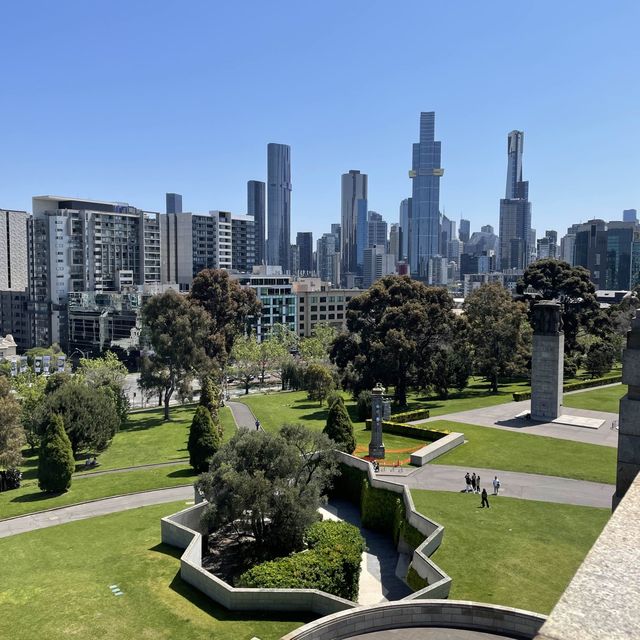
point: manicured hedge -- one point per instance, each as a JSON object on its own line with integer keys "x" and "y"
{"x": 574, "y": 386}
{"x": 417, "y": 431}
{"x": 415, "y": 581}
{"x": 410, "y": 416}
{"x": 381, "y": 510}
{"x": 331, "y": 563}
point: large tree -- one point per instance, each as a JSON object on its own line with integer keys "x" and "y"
{"x": 269, "y": 486}
{"x": 245, "y": 359}
{"x": 30, "y": 390}
{"x": 178, "y": 331}
{"x": 55, "y": 463}
{"x": 204, "y": 439}
{"x": 339, "y": 426}
{"x": 395, "y": 327}
{"x": 498, "y": 332}
{"x": 555, "y": 279}
{"x": 229, "y": 307}
{"x": 12, "y": 437}
{"x": 318, "y": 345}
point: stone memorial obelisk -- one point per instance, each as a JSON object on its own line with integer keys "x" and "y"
{"x": 376, "y": 446}
{"x": 629, "y": 422}
{"x": 547, "y": 361}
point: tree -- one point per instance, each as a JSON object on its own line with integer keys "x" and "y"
{"x": 108, "y": 373}
{"x": 339, "y": 427}
{"x": 204, "y": 439}
{"x": 12, "y": 437}
{"x": 229, "y": 308}
{"x": 318, "y": 345}
{"x": 269, "y": 486}
{"x": 499, "y": 334}
{"x": 245, "y": 356}
{"x": 319, "y": 381}
{"x": 30, "y": 390}
{"x": 557, "y": 280}
{"x": 178, "y": 334}
{"x": 271, "y": 352}
{"x": 600, "y": 358}
{"x": 152, "y": 381}
{"x": 211, "y": 397}
{"x": 89, "y": 415}
{"x": 450, "y": 364}
{"x": 394, "y": 328}
{"x": 55, "y": 463}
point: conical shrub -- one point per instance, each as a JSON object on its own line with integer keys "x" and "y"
{"x": 55, "y": 463}
{"x": 204, "y": 439}
{"x": 339, "y": 426}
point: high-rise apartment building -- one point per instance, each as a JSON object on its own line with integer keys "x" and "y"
{"x": 464, "y": 232}
{"x": 304, "y": 241}
{"x": 86, "y": 245}
{"x": 279, "y": 204}
{"x": 328, "y": 259}
{"x": 256, "y": 209}
{"x": 447, "y": 233}
{"x": 425, "y": 212}
{"x": 377, "y": 263}
{"x": 243, "y": 242}
{"x": 405, "y": 226}
{"x": 336, "y": 230}
{"x": 173, "y": 203}
{"x": 395, "y": 241}
{"x": 568, "y": 243}
{"x": 353, "y": 204}
{"x": 376, "y": 229}
{"x": 362, "y": 233}
{"x": 14, "y": 258}
{"x": 515, "y": 210}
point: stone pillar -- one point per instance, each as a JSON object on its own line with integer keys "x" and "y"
{"x": 547, "y": 362}
{"x": 629, "y": 422}
{"x": 376, "y": 446}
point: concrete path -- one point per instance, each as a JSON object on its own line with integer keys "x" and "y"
{"x": 91, "y": 509}
{"x": 382, "y": 565}
{"x": 503, "y": 416}
{"x": 78, "y": 475}
{"x": 526, "y": 486}
{"x": 242, "y": 415}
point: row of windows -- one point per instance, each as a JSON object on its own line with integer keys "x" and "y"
{"x": 324, "y": 316}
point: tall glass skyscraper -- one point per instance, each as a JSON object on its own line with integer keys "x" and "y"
{"x": 304, "y": 242}
{"x": 405, "y": 226}
{"x": 515, "y": 210}
{"x": 279, "y": 204}
{"x": 354, "y": 199}
{"x": 255, "y": 208}
{"x": 425, "y": 210}
{"x": 173, "y": 202}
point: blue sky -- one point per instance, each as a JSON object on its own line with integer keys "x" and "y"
{"x": 125, "y": 100}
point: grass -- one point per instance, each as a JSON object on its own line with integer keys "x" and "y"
{"x": 28, "y": 498}
{"x": 599, "y": 399}
{"x": 518, "y": 553}
{"x": 490, "y": 448}
{"x": 57, "y": 586}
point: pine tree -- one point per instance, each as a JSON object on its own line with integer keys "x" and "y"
{"x": 204, "y": 439}
{"x": 56, "y": 463}
{"x": 339, "y": 427}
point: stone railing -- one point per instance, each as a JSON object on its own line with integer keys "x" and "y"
{"x": 431, "y": 451}
{"x": 503, "y": 621}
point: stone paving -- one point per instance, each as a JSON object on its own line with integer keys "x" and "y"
{"x": 427, "y": 633}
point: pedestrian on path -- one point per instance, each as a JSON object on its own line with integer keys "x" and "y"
{"x": 485, "y": 500}
{"x": 473, "y": 482}
{"x": 478, "y": 483}
{"x": 257, "y": 424}
{"x": 496, "y": 486}
{"x": 467, "y": 479}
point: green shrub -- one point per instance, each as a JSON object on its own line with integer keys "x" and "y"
{"x": 410, "y": 416}
{"x": 574, "y": 386}
{"x": 339, "y": 427}
{"x": 411, "y": 535}
{"x": 381, "y": 510}
{"x": 415, "y": 581}
{"x": 363, "y": 405}
{"x": 519, "y": 396}
{"x": 420, "y": 432}
{"x": 55, "y": 463}
{"x": 331, "y": 563}
{"x": 204, "y": 439}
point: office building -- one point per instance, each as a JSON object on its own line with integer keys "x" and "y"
{"x": 85, "y": 245}
{"x": 376, "y": 230}
{"x": 362, "y": 233}
{"x": 438, "y": 274}
{"x": 568, "y": 243}
{"x": 322, "y": 305}
{"x": 354, "y": 189}
{"x": 173, "y": 203}
{"x": 487, "y": 228}
{"x": 15, "y": 318}
{"x": 278, "y": 204}
{"x": 395, "y": 241}
{"x": 447, "y": 233}
{"x": 515, "y": 210}
{"x": 630, "y": 215}
{"x": 454, "y": 250}
{"x": 425, "y": 210}
{"x": 336, "y": 230}
{"x": 243, "y": 242}
{"x": 328, "y": 259}
{"x": 14, "y": 258}
{"x": 304, "y": 242}
{"x": 464, "y": 232}
{"x": 547, "y": 247}
{"x": 405, "y": 226}
{"x": 377, "y": 264}
{"x": 256, "y": 209}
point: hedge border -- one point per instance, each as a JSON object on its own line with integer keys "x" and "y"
{"x": 519, "y": 396}
{"x": 416, "y": 431}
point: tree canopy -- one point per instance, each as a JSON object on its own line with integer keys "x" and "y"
{"x": 12, "y": 437}
{"x": 204, "y": 439}
{"x": 339, "y": 426}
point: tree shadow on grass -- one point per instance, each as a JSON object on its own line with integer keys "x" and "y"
{"x": 182, "y": 473}
{"x": 197, "y": 598}
{"x": 37, "y": 496}
{"x": 320, "y": 415}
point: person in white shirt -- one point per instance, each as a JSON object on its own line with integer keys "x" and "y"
{"x": 496, "y": 485}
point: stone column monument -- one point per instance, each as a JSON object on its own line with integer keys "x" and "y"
{"x": 376, "y": 446}
{"x": 629, "y": 423}
{"x": 547, "y": 363}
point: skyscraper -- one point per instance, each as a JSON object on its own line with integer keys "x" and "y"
{"x": 395, "y": 241}
{"x": 328, "y": 259}
{"x": 255, "y": 208}
{"x": 353, "y": 190}
{"x": 464, "y": 232}
{"x": 376, "y": 230}
{"x": 304, "y": 241}
{"x": 630, "y": 215}
{"x": 425, "y": 214}
{"x": 173, "y": 203}
{"x": 405, "y": 226}
{"x": 515, "y": 210}
{"x": 279, "y": 204}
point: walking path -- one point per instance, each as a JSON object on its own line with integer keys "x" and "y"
{"x": 91, "y": 509}
{"x": 242, "y": 415}
{"x": 78, "y": 475}
{"x": 526, "y": 486}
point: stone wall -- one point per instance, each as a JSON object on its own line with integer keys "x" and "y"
{"x": 435, "y": 449}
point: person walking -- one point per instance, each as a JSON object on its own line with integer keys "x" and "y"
{"x": 496, "y": 485}
{"x": 485, "y": 500}
{"x": 467, "y": 479}
{"x": 473, "y": 482}
{"x": 478, "y": 483}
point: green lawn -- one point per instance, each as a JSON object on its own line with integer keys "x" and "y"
{"x": 28, "y": 498}
{"x": 518, "y": 553}
{"x": 599, "y": 399}
{"x": 57, "y": 586}
{"x": 498, "y": 449}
